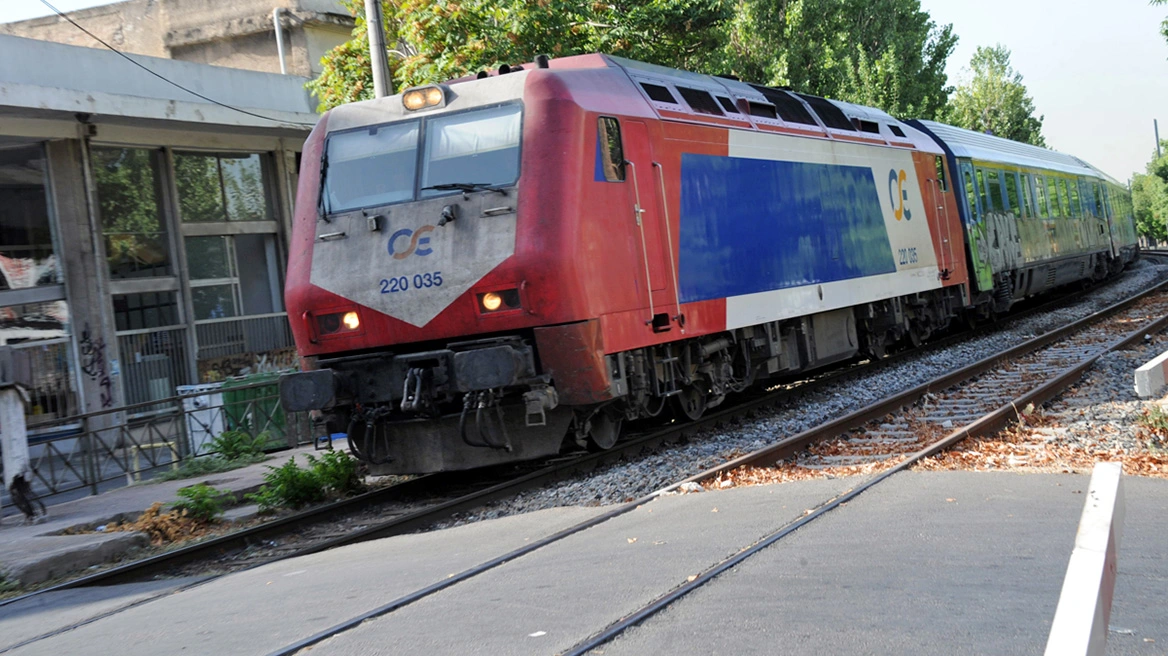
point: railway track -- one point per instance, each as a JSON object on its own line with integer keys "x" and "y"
{"x": 978, "y": 399}
{"x": 421, "y": 502}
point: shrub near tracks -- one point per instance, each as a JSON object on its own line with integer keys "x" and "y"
{"x": 293, "y": 486}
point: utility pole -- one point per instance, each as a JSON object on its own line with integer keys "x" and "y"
{"x": 1156, "y": 127}
{"x": 377, "y": 53}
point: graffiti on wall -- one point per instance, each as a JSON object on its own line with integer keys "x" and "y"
{"x": 94, "y": 365}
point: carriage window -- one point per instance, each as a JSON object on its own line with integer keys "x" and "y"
{"x": 1027, "y": 195}
{"x": 1076, "y": 207}
{"x": 370, "y": 167}
{"x": 1098, "y": 197}
{"x": 1056, "y": 210}
{"x": 1064, "y": 199}
{"x": 658, "y": 93}
{"x": 993, "y": 191}
{"x": 942, "y": 183}
{"x": 1040, "y": 187}
{"x": 981, "y": 191}
{"x": 479, "y": 147}
{"x": 612, "y": 156}
{"x": 1012, "y": 204}
{"x": 700, "y": 101}
{"x": 970, "y": 193}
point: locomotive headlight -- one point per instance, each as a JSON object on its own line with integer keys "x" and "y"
{"x": 492, "y": 301}
{"x": 500, "y": 301}
{"x": 338, "y": 323}
{"x": 351, "y": 321}
{"x": 415, "y": 99}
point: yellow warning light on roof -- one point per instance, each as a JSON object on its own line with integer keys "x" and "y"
{"x": 422, "y": 97}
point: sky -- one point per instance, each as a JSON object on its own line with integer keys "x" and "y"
{"x": 1096, "y": 69}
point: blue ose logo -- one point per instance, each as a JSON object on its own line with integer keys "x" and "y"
{"x": 898, "y": 196}
{"x": 417, "y": 243}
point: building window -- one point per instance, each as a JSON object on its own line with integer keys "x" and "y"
{"x": 129, "y": 194}
{"x": 26, "y": 237}
{"x": 220, "y": 187}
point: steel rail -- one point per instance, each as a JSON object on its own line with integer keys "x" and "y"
{"x": 988, "y": 424}
{"x": 767, "y": 455}
{"x": 238, "y": 540}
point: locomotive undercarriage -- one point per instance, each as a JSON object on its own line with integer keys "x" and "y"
{"x": 476, "y": 403}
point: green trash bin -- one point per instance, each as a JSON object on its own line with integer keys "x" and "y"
{"x": 256, "y": 410}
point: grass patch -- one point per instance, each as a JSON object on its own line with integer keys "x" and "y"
{"x": 204, "y": 465}
{"x": 232, "y": 449}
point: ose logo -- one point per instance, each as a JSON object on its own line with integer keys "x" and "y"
{"x": 901, "y": 194}
{"x": 418, "y": 243}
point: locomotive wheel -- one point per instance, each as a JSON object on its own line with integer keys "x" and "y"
{"x": 605, "y": 431}
{"x": 690, "y": 403}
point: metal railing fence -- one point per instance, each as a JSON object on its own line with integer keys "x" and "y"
{"x": 104, "y": 449}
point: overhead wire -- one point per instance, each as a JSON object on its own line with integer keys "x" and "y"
{"x": 168, "y": 80}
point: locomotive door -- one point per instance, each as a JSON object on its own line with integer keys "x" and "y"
{"x": 650, "y": 228}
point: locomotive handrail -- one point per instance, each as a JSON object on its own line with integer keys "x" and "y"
{"x": 637, "y": 212}
{"x": 669, "y": 246}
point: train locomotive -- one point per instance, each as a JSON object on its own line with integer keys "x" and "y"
{"x": 487, "y": 270}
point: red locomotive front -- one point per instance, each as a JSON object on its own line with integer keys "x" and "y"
{"x": 434, "y": 231}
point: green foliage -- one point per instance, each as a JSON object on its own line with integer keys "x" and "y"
{"x": 1150, "y": 198}
{"x": 239, "y": 445}
{"x": 337, "y": 472}
{"x": 200, "y": 502}
{"x": 1164, "y": 23}
{"x": 886, "y": 53}
{"x": 7, "y": 585}
{"x": 994, "y": 100}
{"x": 293, "y": 486}
{"x": 288, "y": 485}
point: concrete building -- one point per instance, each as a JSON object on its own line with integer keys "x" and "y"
{"x": 235, "y": 33}
{"x": 143, "y": 230}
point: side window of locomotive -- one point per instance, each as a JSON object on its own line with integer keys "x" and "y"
{"x": 1107, "y": 202}
{"x": 831, "y": 115}
{"x": 1064, "y": 199}
{"x": 763, "y": 110}
{"x": 700, "y": 101}
{"x": 1098, "y": 197}
{"x": 728, "y": 105}
{"x": 942, "y": 182}
{"x": 659, "y": 93}
{"x": 896, "y": 130}
{"x": 612, "y": 154}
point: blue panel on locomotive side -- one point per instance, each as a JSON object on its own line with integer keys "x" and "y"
{"x": 753, "y": 225}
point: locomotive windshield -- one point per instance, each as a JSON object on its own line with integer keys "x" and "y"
{"x": 379, "y": 165}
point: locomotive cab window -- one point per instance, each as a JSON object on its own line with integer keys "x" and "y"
{"x": 612, "y": 154}
{"x": 659, "y": 93}
{"x": 370, "y": 167}
{"x": 479, "y": 146}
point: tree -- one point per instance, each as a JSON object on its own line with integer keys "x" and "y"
{"x": 1164, "y": 23}
{"x": 883, "y": 53}
{"x": 1150, "y": 199}
{"x": 994, "y": 100}
{"x": 438, "y": 40}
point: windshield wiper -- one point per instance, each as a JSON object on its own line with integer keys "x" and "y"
{"x": 465, "y": 187}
